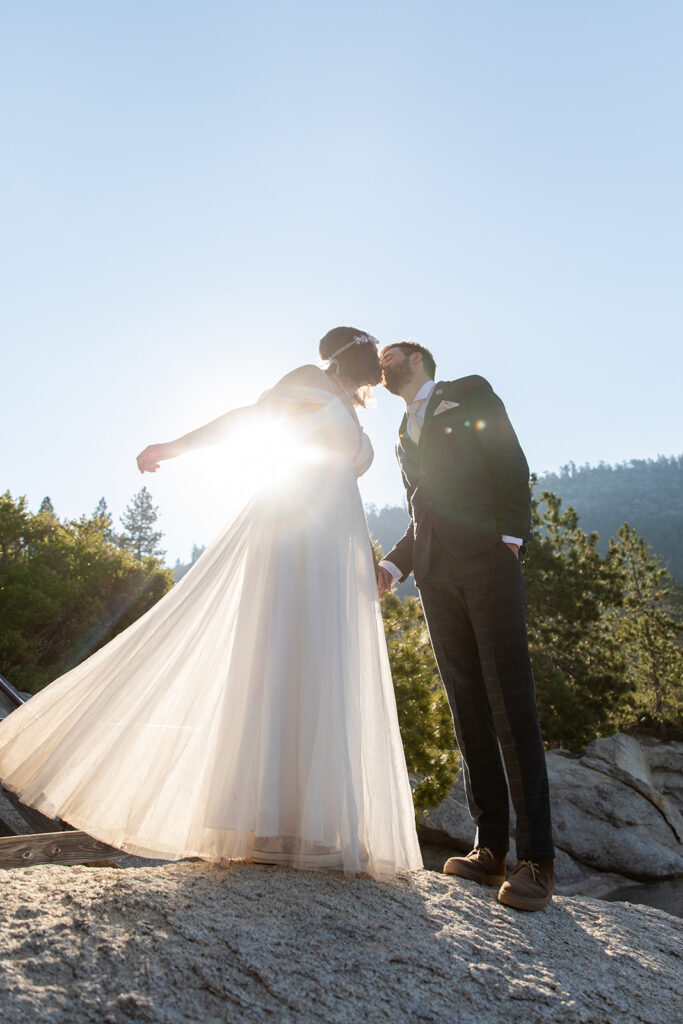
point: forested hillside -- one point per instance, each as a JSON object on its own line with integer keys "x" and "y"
{"x": 605, "y": 628}
{"x": 645, "y": 493}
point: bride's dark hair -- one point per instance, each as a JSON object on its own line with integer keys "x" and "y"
{"x": 358, "y": 363}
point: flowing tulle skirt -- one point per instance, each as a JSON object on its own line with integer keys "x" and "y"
{"x": 249, "y": 713}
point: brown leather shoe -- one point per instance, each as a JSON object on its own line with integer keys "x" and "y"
{"x": 481, "y": 865}
{"x": 530, "y": 885}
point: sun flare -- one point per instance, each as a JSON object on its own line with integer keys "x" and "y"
{"x": 267, "y": 454}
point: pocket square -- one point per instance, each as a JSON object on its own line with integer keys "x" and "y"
{"x": 445, "y": 406}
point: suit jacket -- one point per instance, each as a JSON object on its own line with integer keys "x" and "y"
{"x": 467, "y": 480}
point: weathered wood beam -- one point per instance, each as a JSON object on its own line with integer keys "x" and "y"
{"x": 36, "y": 821}
{"x": 54, "y": 848}
{"x": 5, "y": 829}
{"x": 10, "y": 699}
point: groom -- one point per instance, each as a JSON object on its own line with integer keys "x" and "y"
{"x": 467, "y": 483}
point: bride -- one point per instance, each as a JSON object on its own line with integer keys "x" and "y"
{"x": 250, "y": 713}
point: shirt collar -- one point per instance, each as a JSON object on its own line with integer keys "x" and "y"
{"x": 424, "y": 392}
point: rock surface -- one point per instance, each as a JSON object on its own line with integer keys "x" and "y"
{"x": 608, "y": 825}
{"x": 665, "y": 761}
{"x": 623, "y": 753}
{"x": 190, "y": 942}
{"x": 623, "y": 758}
{"x": 608, "y": 815}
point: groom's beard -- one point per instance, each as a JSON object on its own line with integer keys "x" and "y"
{"x": 395, "y": 377}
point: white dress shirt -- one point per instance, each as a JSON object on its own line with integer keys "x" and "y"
{"x": 417, "y": 408}
{"x": 416, "y": 416}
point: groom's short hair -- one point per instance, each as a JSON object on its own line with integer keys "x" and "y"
{"x": 428, "y": 361}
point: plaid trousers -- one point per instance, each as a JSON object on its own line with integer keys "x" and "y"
{"x": 476, "y": 615}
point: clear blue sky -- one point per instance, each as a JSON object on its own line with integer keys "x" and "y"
{"x": 194, "y": 192}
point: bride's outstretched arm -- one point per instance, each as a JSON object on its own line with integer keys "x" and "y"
{"x": 219, "y": 429}
{"x": 211, "y": 433}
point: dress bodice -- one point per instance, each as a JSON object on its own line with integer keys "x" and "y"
{"x": 364, "y": 456}
{"x": 322, "y": 420}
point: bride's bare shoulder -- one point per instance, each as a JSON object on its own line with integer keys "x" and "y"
{"x": 306, "y": 376}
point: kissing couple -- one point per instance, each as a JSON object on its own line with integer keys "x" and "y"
{"x": 250, "y": 713}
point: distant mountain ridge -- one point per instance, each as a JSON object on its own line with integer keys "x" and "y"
{"x": 645, "y": 493}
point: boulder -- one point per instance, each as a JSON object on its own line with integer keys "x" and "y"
{"x": 622, "y": 752}
{"x": 609, "y": 825}
{"x": 607, "y": 815}
{"x": 449, "y": 829}
{"x": 449, "y": 823}
{"x": 248, "y": 943}
{"x": 622, "y": 758}
{"x": 663, "y": 756}
{"x": 665, "y": 761}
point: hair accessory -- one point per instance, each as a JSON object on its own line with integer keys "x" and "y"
{"x": 358, "y": 339}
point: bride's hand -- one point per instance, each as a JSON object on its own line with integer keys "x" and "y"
{"x": 149, "y": 459}
{"x": 385, "y": 580}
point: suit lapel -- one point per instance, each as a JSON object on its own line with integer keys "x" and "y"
{"x": 405, "y": 441}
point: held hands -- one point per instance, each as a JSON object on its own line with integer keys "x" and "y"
{"x": 383, "y": 577}
{"x": 385, "y": 580}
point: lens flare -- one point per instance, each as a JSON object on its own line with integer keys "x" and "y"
{"x": 268, "y": 453}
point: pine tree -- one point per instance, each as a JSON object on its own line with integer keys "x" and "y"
{"x": 139, "y": 519}
{"x": 649, "y": 636}
{"x": 64, "y": 592}
{"x": 579, "y": 671}
{"x": 46, "y": 506}
{"x": 180, "y": 568}
{"x": 103, "y": 517}
{"x": 424, "y": 714}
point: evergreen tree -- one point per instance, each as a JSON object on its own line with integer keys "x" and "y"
{"x": 103, "y": 517}
{"x": 424, "y": 714}
{"x": 64, "y": 592}
{"x": 139, "y": 535}
{"x": 579, "y": 671}
{"x": 46, "y": 506}
{"x": 649, "y": 636}
{"x": 180, "y": 568}
{"x": 647, "y": 493}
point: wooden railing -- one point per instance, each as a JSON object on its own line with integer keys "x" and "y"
{"x": 49, "y": 841}
{"x": 10, "y": 699}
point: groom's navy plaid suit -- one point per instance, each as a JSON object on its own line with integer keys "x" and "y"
{"x": 467, "y": 483}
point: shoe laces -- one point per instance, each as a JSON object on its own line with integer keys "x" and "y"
{"x": 480, "y": 849}
{"x": 533, "y": 867}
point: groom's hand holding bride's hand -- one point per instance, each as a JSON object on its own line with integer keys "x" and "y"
{"x": 385, "y": 580}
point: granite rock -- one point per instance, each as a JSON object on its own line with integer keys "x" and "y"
{"x": 193, "y": 942}
{"x": 608, "y": 815}
{"x": 665, "y": 761}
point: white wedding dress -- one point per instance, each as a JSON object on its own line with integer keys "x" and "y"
{"x": 250, "y": 712}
